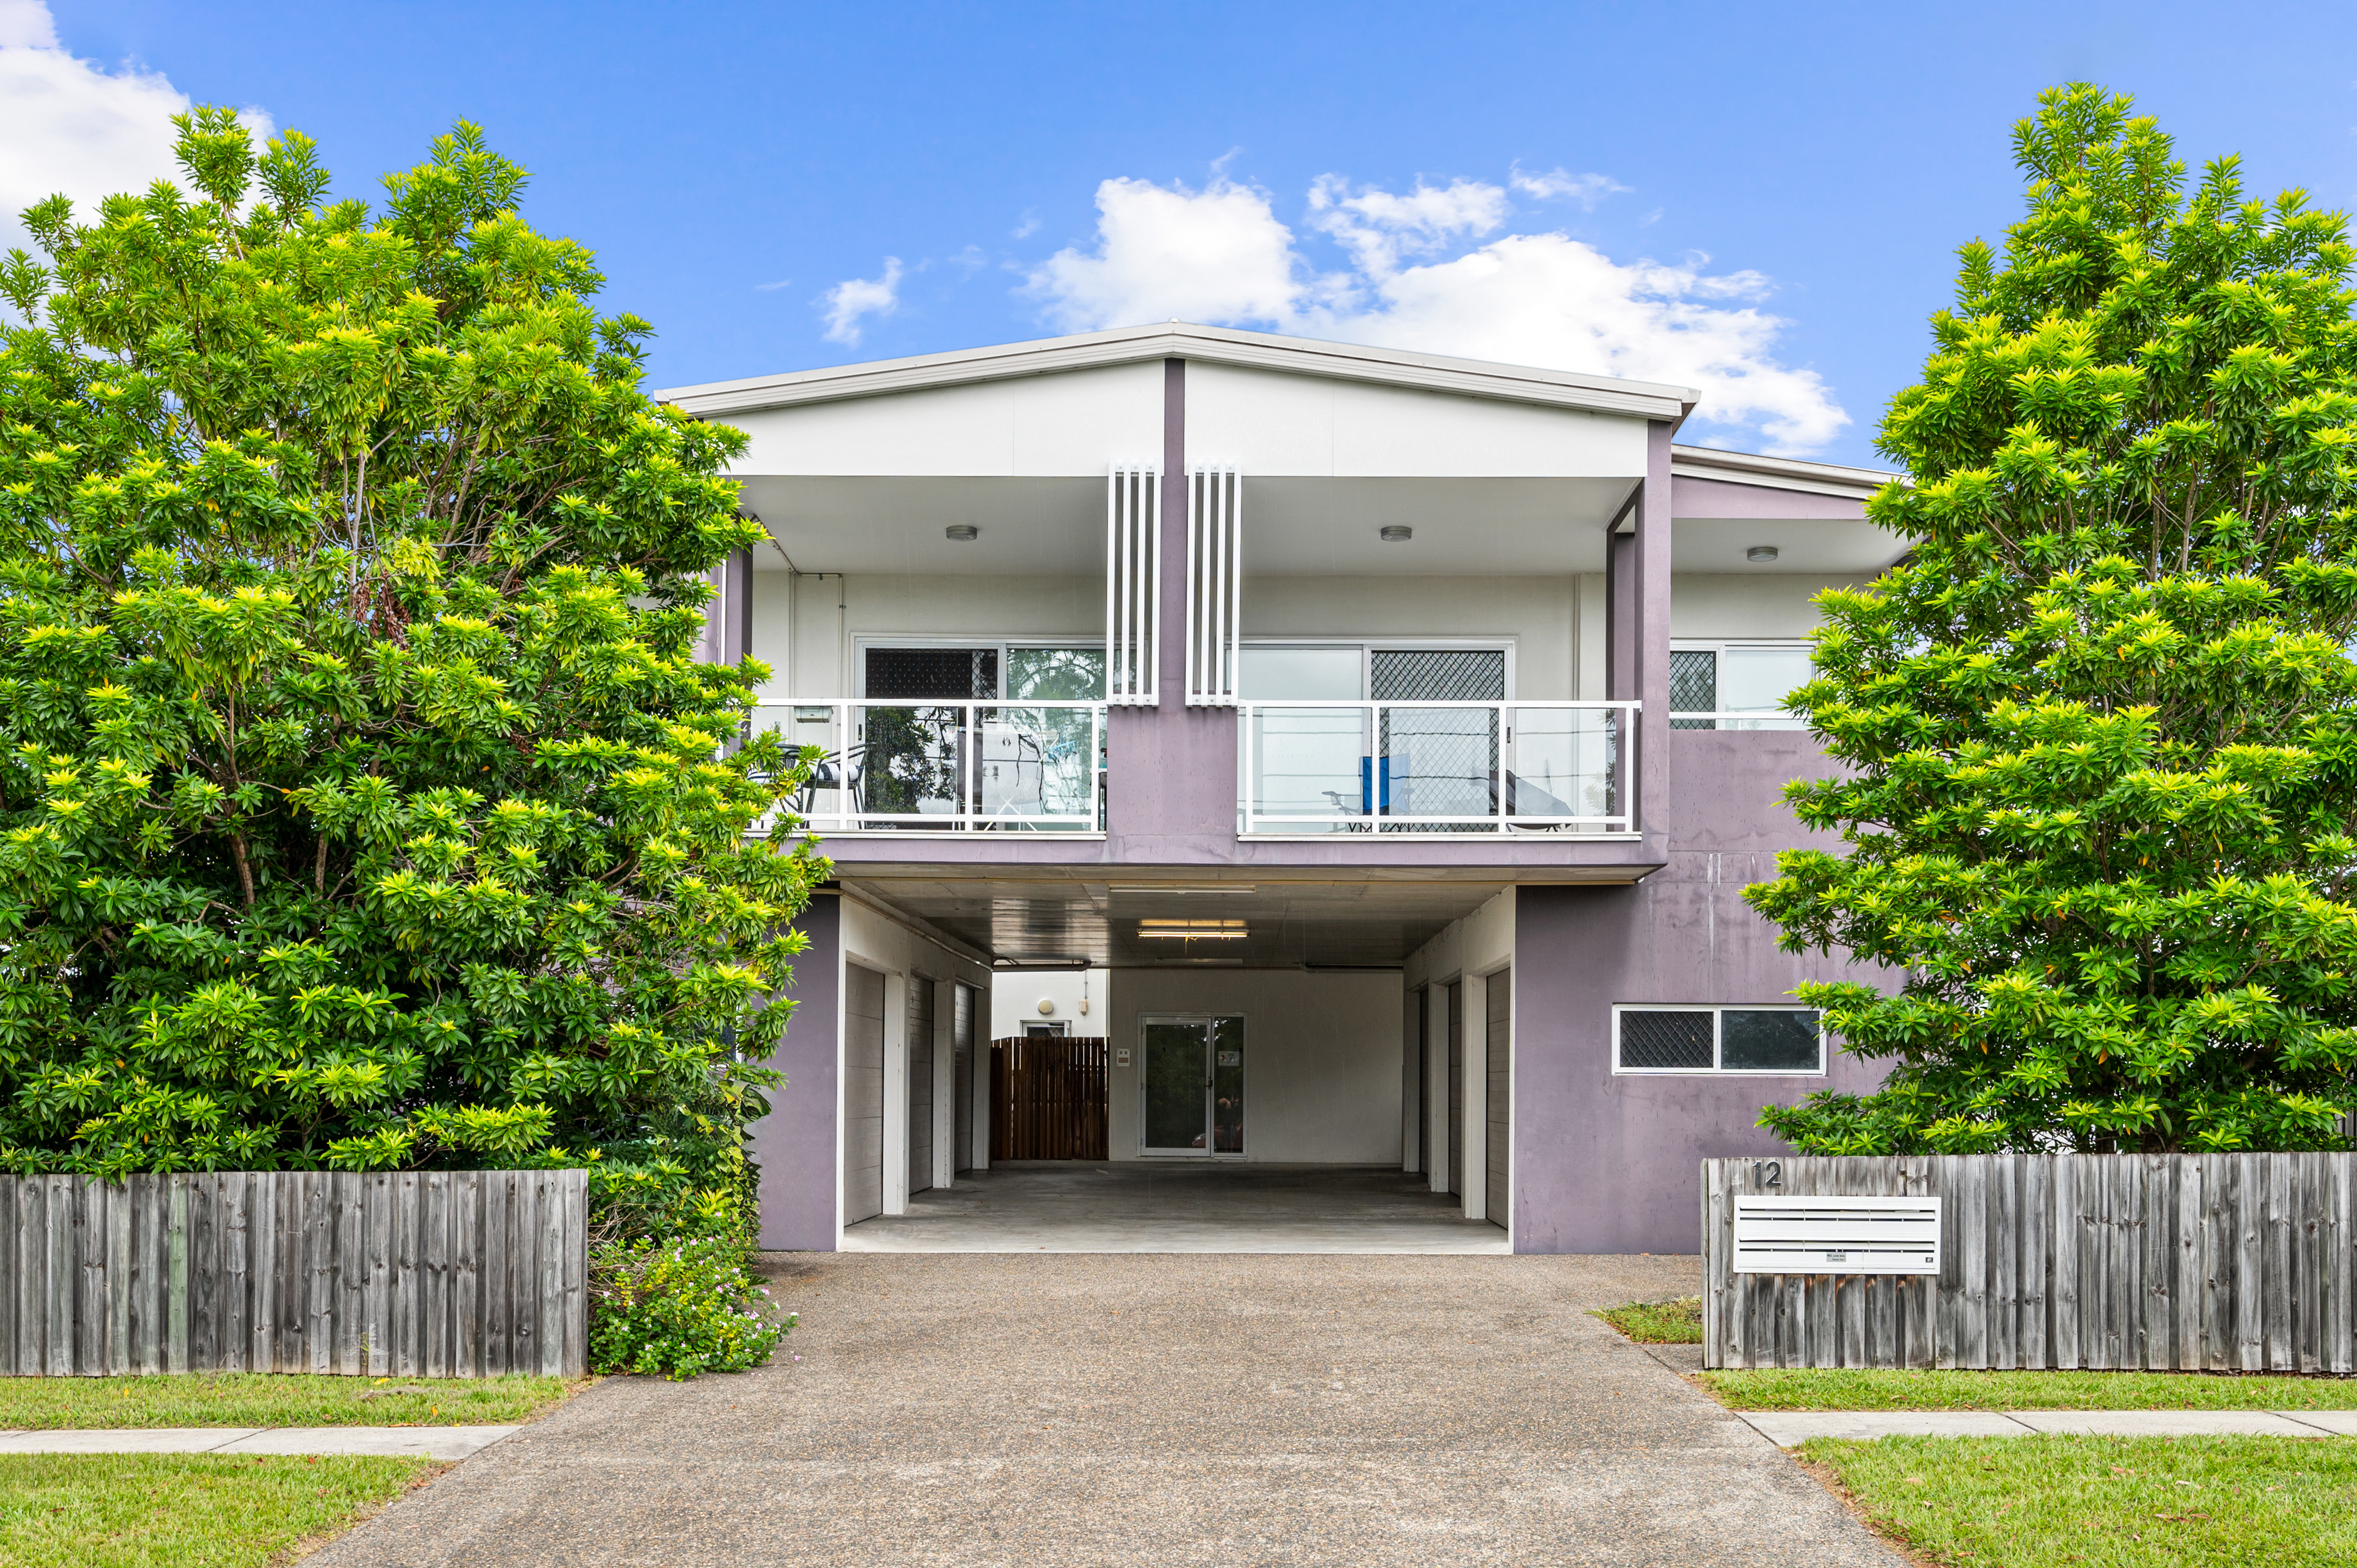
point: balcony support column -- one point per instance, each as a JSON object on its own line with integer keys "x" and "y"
{"x": 1639, "y": 632}
{"x": 1171, "y": 766}
{"x": 729, "y": 617}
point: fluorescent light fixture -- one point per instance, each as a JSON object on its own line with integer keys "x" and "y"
{"x": 1193, "y": 930}
{"x": 1223, "y": 887}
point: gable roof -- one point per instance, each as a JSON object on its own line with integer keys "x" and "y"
{"x": 1185, "y": 340}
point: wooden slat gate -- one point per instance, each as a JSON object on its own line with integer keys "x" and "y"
{"x": 436, "y": 1273}
{"x": 1047, "y": 1098}
{"x": 2164, "y": 1263}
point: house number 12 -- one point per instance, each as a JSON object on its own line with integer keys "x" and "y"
{"x": 1767, "y": 1173}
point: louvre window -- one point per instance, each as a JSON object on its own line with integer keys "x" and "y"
{"x": 1718, "y": 1039}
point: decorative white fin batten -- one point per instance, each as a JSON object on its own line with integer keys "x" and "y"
{"x": 1215, "y": 520}
{"x": 1133, "y": 586}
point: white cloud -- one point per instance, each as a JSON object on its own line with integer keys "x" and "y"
{"x": 1588, "y": 190}
{"x": 1378, "y": 229}
{"x": 72, "y": 125}
{"x": 1429, "y": 269}
{"x": 1214, "y": 254}
{"x": 848, "y": 302}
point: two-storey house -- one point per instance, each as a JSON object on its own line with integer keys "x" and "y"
{"x": 1400, "y": 731}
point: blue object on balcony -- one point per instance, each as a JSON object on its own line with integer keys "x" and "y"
{"x": 1375, "y": 786}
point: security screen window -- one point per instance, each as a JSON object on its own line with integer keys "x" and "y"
{"x": 1767, "y": 1039}
{"x": 1718, "y": 1039}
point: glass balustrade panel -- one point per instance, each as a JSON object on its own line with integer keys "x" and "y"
{"x": 1310, "y": 770}
{"x": 1439, "y": 767}
{"x": 1038, "y": 768}
{"x": 909, "y": 763}
{"x": 1564, "y": 765}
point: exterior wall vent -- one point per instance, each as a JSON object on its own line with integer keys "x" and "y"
{"x": 1836, "y": 1235}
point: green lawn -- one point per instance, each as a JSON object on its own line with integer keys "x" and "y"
{"x": 249, "y": 1399}
{"x": 1677, "y": 1322}
{"x": 2136, "y": 1502}
{"x": 181, "y": 1510}
{"x": 1843, "y": 1390}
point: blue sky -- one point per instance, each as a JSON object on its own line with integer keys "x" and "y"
{"x": 1761, "y": 199}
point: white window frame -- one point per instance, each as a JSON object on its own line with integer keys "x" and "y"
{"x": 1241, "y": 1015}
{"x": 1718, "y": 1039}
{"x": 997, "y": 642}
{"x": 1720, "y": 647}
{"x": 1368, "y": 646}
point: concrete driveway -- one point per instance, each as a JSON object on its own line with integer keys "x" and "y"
{"x": 1095, "y": 1410}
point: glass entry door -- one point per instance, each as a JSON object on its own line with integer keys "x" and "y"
{"x": 1193, "y": 1086}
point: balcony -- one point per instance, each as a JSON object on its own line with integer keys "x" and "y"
{"x": 938, "y": 767}
{"x": 1453, "y": 769}
{"x": 1307, "y": 770}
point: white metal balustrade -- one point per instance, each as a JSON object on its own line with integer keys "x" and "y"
{"x": 1444, "y": 768}
{"x": 920, "y": 766}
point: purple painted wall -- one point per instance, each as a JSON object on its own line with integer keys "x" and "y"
{"x": 1721, "y": 498}
{"x": 796, "y": 1145}
{"x": 1607, "y": 1163}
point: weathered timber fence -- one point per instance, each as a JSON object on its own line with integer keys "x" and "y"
{"x": 2166, "y": 1263}
{"x": 1047, "y": 1098}
{"x": 436, "y": 1273}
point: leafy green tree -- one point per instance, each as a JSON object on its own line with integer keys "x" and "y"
{"x": 2100, "y": 727}
{"x": 362, "y": 801}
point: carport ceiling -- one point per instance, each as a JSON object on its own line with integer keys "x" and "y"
{"x": 1286, "y": 923}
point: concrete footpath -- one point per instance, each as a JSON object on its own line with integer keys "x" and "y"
{"x": 1091, "y": 1411}
{"x": 425, "y": 1441}
{"x": 1790, "y": 1428}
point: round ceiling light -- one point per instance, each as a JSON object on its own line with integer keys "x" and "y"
{"x": 1396, "y": 534}
{"x": 1761, "y": 553}
{"x": 964, "y": 533}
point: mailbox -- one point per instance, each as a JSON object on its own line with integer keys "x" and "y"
{"x": 1836, "y": 1235}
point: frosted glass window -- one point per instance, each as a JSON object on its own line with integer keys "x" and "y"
{"x": 1303, "y": 675}
{"x": 1756, "y": 680}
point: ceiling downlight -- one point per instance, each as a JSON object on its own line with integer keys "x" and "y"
{"x": 1193, "y": 930}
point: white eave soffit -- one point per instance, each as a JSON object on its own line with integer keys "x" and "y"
{"x": 1183, "y": 340}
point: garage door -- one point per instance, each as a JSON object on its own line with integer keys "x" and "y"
{"x": 1457, "y": 1089}
{"x": 961, "y": 1113}
{"x": 862, "y": 1094}
{"x": 921, "y": 1083}
{"x": 1422, "y": 1006}
{"x": 1500, "y": 1048}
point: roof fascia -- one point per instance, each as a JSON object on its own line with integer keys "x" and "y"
{"x": 1257, "y": 350}
{"x": 1778, "y": 473}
